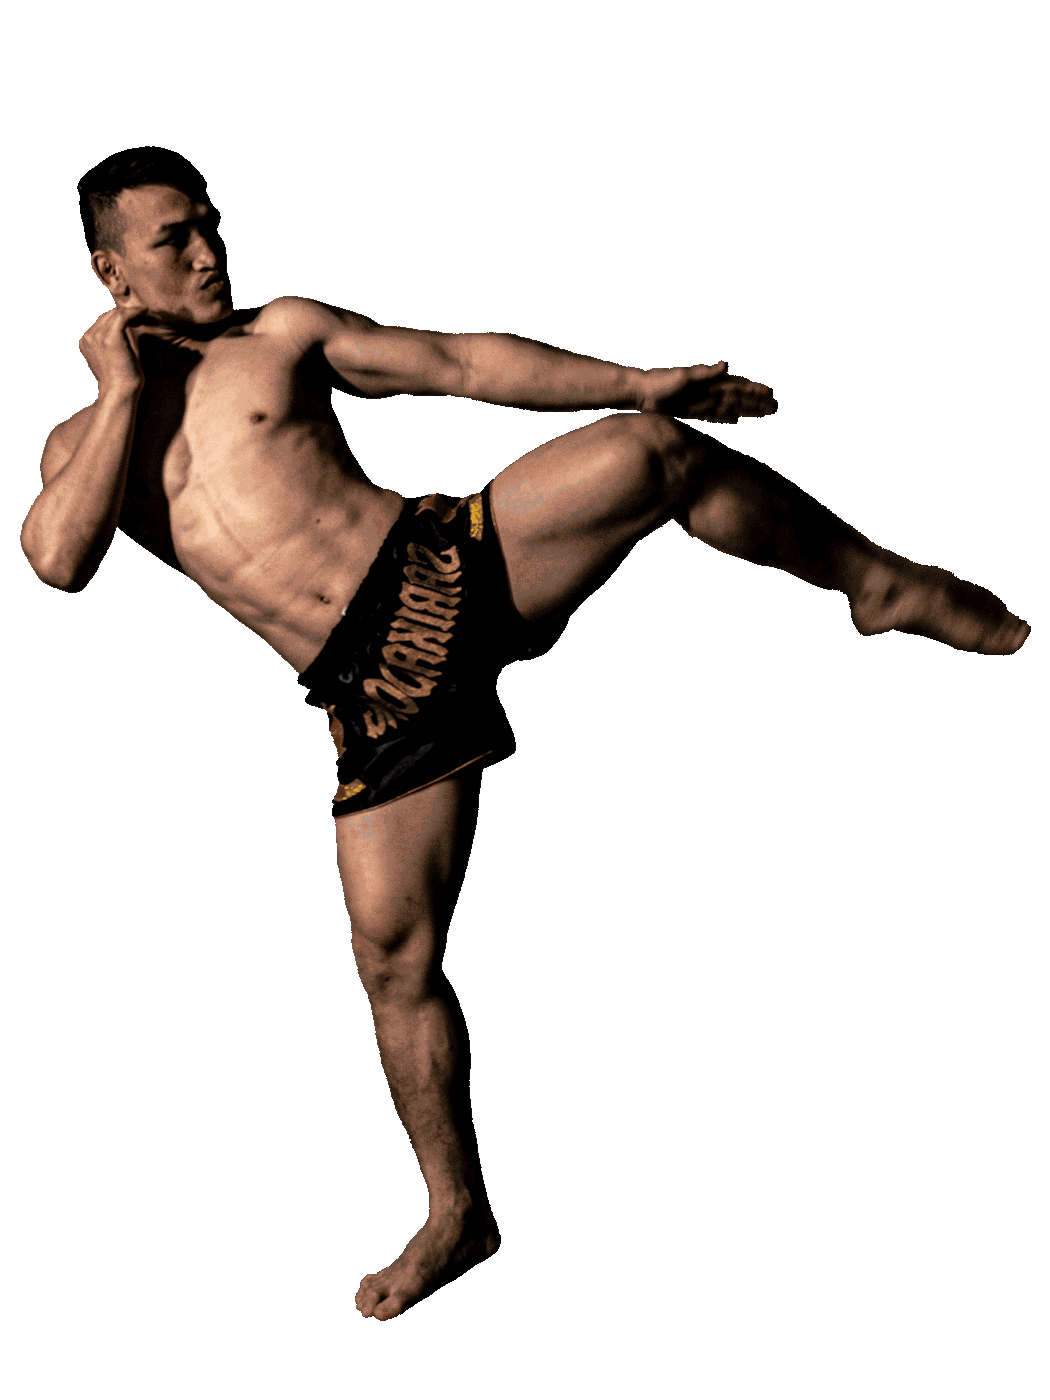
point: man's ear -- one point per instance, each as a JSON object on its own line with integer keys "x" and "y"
{"x": 108, "y": 275}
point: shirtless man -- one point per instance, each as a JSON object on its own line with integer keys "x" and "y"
{"x": 214, "y": 444}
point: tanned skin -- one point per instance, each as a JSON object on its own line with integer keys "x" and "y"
{"x": 213, "y": 442}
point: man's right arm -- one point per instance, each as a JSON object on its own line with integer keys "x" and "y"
{"x": 71, "y": 524}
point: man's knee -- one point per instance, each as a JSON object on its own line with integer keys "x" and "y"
{"x": 671, "y": 451}
{"x": 396, "y": 959}
{"x": 676, "y": 454}
{"x": 653, "y": 434}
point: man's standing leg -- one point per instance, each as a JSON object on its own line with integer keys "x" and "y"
{"x": 402, "y": 867}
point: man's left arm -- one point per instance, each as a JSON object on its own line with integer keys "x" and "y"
{"x": 378, "y": 361}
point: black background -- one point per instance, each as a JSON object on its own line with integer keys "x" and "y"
{"x": 744, "y": 945}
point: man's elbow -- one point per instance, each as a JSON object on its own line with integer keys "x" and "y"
{"x": 56, "y": 577}
{"x": 51, "y": 568}
{"x": 439, "y": 375}
{"x": 451, "y": 372}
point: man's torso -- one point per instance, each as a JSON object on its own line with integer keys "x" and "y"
{"x": 240, "y": 476}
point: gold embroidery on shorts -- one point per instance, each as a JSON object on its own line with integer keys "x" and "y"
{"x": 347, "y": 790}
{"x": 445, "y": 509}
{"x": 429, "y": 595}
{"x": 422, "y": 626}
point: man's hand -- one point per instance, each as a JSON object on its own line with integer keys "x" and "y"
{"x": 111, "y": 352}
{"x": 707, "y": 392}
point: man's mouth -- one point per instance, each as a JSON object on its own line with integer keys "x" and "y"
{"x": 212, "y": 279}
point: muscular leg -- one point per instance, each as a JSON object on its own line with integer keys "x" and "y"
{"x": 569, "y": 512}
{"x": 402, "y": 867}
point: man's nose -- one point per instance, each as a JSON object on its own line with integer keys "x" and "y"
{"x": 204, "y": 253}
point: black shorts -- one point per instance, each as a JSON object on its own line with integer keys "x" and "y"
{"x": 408, "y": 674}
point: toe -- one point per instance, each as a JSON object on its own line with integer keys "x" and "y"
{"x": 1004, "y": 639}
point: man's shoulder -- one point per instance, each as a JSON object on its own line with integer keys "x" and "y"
{"x": 305, "y": 320}
{"x": 328, "y": 338}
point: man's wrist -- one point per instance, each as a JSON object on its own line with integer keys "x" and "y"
{"x": 659, "y": 387}
{"x": 638, "y": 390}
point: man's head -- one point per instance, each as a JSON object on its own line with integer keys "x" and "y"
{"x": 153, "y": 235}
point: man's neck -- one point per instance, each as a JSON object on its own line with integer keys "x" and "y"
{"x": 174, "y": 347}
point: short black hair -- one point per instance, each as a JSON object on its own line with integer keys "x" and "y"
{"x": 142, "y": 165}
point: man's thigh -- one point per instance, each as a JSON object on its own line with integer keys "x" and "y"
{"x": 402, "y": 866}
{"x": 569, "y": 512}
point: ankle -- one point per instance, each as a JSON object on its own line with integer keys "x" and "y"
{"x": 857, "y": 565}
{"x": 459, "y": 1201}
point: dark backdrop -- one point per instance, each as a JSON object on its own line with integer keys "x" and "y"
{"x": 745, "y": 938}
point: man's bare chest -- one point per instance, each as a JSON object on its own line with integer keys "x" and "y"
{"x": 212, "y": 430}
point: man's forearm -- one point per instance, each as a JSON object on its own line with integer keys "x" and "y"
{"x": 518, "y": 373}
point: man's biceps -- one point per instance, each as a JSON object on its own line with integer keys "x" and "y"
{"x": 400, "y": 359}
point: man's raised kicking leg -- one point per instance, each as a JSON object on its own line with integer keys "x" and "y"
{"x": 567, "y": 514}
{"x": 570, "y": 511}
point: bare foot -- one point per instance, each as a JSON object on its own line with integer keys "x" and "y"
{"x": 897, "y": 595}
{"x": 446, "y": 1247}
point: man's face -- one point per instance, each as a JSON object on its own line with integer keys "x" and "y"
{"x": 173, "y": 262}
